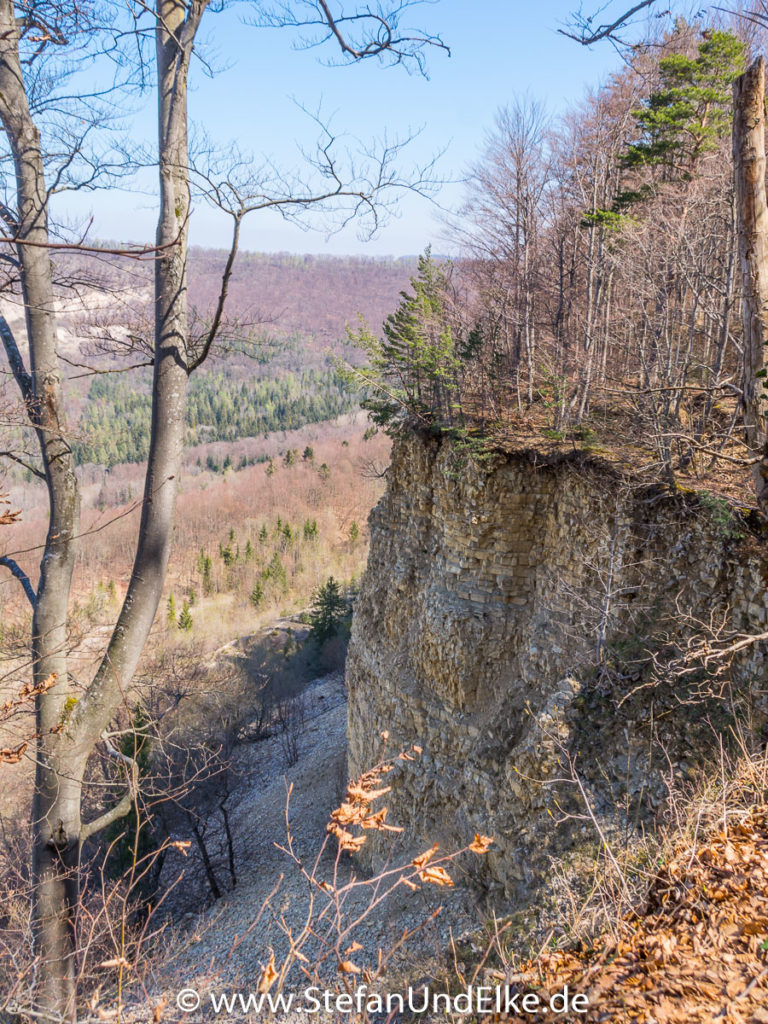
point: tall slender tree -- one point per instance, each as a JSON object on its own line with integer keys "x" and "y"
{"x": 72, "y": 720}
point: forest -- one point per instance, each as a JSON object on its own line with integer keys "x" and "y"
{"x": 382, "y": 627}
{"x": 599, "y": 297}
{"x": 115, "y": 425}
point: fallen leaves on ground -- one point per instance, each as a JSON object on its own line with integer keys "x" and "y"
{"x": 698, "y": 951}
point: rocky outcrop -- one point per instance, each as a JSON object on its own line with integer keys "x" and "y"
{"x": 506, "y": 623}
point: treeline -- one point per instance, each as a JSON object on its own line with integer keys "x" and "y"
{"x": 599, "y": 272}
{"x": 114, "y": 427}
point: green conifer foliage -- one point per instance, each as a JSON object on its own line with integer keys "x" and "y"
{"x": 412, "y": 373}
{"x": 171, "y": 610}
{"x": 185, "y": 618}
{"x": 329, "y": 611}
{"x": 691, "y": 112}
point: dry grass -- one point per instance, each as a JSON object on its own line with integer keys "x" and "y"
{"x": 694, "y": 947}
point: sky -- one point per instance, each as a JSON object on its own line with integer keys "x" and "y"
{"x": 499, "y": 49}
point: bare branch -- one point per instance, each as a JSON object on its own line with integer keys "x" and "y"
{"x": 124, "y": 805}
{"x": 586, "y": 35}
{"x": 21, "y": 576}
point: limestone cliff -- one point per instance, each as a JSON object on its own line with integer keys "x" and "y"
{"x": 506, "y": 622}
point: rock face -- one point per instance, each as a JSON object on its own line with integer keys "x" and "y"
{"x": 506, "y": 623}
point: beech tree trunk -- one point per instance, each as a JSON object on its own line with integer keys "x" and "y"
{"x": 752, "y": 230}
{"x": 69, "y": 728}
{"x": 56, "y": 809}
{"x": 71, "y": 722}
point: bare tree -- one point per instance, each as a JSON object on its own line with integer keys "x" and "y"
{"x": 71, "y": 720}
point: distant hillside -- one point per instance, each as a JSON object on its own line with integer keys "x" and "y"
{"x": 290, "y": 312}
{"x": 308, "y": 295}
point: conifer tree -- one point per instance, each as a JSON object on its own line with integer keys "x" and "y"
{"x": 413, "y": 370}
{"x": 185, "y": 618}
{"x": 328, "y": 613}
{"x": 692, "y": 110}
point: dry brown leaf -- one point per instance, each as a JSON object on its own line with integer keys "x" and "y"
{"x": 117, "y": 961}
{"x": 424, "y": 858}
{"x": 12, "y": 755}
{"x": 269, "y": 976}
{"x": 347, "y": 967}
{"x": 436, "y": 876}
{"x": 481, "y": 844}
{"x": 357, "y": 792}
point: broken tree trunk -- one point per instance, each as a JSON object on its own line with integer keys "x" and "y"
{"x": 752, "y": 228}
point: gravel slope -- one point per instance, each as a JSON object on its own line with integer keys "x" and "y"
{"x": 226, "y": 948}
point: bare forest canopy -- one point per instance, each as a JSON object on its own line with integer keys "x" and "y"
{"x": 598, "y": 300}
{"x": 287, "y": 320}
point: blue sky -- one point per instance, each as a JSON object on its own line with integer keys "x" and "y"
{"x": 498, "y": 49}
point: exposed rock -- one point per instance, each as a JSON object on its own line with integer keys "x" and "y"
{"x": 492, "y": 594}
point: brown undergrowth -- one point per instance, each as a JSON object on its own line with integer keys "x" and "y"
{"x": 696, "y": 949}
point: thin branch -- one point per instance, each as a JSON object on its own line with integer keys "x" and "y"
{"x": 225, "y": 279}
{"x": 20, "y": 462}
{"x": 588, "y": 36}
{"x": 21, "y": 576}
{"x": 124, "y": 805}
{"x": 22, "y": 376}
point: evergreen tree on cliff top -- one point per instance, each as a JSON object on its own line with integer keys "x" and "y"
{"x": 691, "y": 110}
{"x": 411, "y": 374}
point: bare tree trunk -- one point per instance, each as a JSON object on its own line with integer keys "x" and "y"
{"x": 230, "y": 841}
{"x": 56, "y": 813}
{"x": 62, "y": 753}
{"x": 210, "y": 874}
{"x": 752, "y": 230}
{"x": 174, "y": 34}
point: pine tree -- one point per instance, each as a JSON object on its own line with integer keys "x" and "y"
{"x": 328, "y": 613}
{"x": 257, "y": 595}
{"x": 354, "y": 532}
{"x": 275, "y": 571}
{"x": 171, "y": 610}
{"x": 412, "y": 372}
{"x": 206, "y": 574}
{"x": 692, "y": 110}
{"x": 185, "y": 618}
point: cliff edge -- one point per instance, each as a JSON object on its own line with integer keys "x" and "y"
{"x": 557, "y": 636}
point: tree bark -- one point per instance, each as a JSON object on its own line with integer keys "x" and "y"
{"x": 752, "y": 230}
{"x": 63, "y": 752}
{"x": 174, "y": 36}
{"x": 56, "y": 811}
